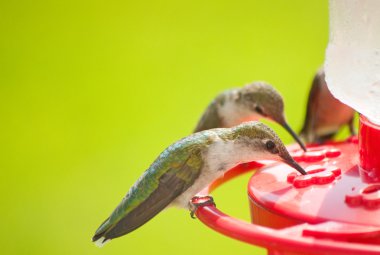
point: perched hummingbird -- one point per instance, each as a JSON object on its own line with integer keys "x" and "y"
{"x": 186, "y": 167}
{"x": 251, "y": 102}
{"x": 325, "y": 115}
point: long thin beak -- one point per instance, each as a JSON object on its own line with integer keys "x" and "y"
{"x": 295, "y": 136}
{"x": 291, "y": 162}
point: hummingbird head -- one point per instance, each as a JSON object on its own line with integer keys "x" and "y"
{"x": 263, "y": 100}
{"x": 264, "y": 143}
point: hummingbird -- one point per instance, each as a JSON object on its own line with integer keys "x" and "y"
{"x": 325, "y": 115}
{"x": 251, "y": 102}
{"x": 186, "y": 167}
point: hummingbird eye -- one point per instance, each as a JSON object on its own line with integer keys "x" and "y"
{"x": 271, "y": 146}
{"x": 259, "y": 110}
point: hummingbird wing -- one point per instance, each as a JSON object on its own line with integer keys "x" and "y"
{"x": 165, "y": 180}
{"x": 210, "y": 118}
{"x": 307, "y": 131}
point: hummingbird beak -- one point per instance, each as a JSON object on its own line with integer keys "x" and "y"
{"x": 291, "y": 162}
{"x": 295, "y": 136}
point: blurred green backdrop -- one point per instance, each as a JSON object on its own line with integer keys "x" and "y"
{"x": 92, "y": 91}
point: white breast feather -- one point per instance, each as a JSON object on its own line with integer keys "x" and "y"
{"x": 220, "y": 157}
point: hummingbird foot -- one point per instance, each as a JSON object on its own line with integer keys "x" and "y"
{"x": 198, "y": 201}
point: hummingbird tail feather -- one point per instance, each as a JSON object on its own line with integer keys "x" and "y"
{"x": 99, "y": 238}
{"x": 101, "y": 241}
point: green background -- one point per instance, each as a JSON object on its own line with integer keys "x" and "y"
{"x": 92, "y": 91}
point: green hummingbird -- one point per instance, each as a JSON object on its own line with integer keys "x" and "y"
{"x": 188, "y": 166}
{"x": 251, "y": 102}
{"x": 325, "y": 114}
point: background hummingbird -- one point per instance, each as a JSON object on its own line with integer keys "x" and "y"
{"x": 186, "y": 167}
{"x": 325, "y": 115}
{"x": 251, "y": 102}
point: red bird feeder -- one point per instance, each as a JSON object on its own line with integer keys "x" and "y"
{"x": 335, "y": 209}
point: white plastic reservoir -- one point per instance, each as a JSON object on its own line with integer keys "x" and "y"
{"x": 353, "y": 55}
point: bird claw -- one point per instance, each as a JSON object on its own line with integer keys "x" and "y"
{"x": 198, "y": 201}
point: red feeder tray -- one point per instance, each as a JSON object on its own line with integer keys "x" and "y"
{"x": 335, "y": 209}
